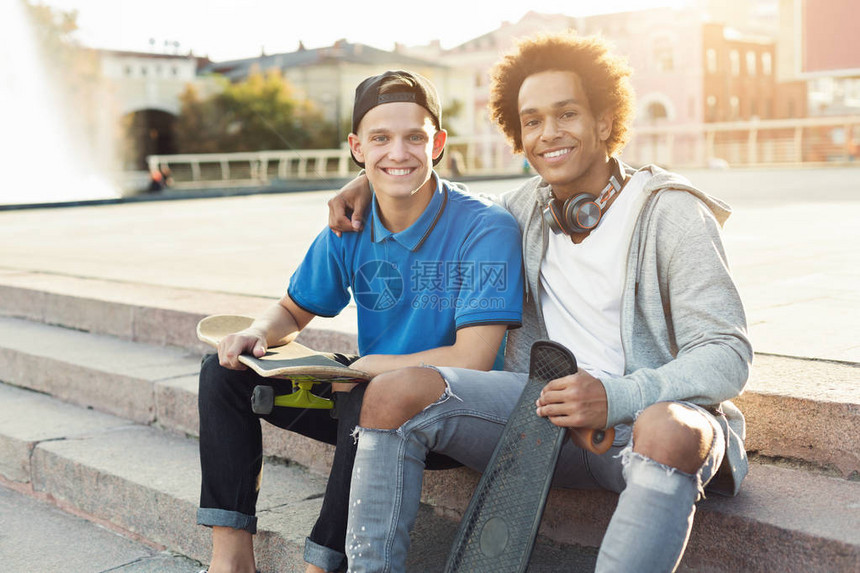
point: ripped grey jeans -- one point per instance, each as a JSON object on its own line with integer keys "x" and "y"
{"x": 649, "y": 528}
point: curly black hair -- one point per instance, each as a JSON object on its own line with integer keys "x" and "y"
{"x": 605, "y": 78}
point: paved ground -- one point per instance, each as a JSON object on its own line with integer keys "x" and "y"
{"x": 792, "y": 245}
{"x": 38, "y": 537}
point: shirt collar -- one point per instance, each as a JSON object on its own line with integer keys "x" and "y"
{"x": 413, "y": 236}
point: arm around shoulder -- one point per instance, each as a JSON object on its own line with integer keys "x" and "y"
{"x": 347, "y": 210}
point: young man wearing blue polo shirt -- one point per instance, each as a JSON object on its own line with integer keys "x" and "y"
{"x": 436, "y": 278}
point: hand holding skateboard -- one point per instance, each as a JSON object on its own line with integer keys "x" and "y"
{"x": 232, "y": 346}
{"x": 577, "y": 394}
{"x": 293, "y": 361}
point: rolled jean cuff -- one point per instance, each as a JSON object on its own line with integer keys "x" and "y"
{"x": 211, "y": 517}
{"x": 323, "y": 557}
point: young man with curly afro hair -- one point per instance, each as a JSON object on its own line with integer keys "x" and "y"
{"x": 625, "y": 267}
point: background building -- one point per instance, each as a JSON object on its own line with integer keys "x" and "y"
{"x": 145, "y": 92}
{"x": 328, "y": 77}
{"x": 720, "y": 82}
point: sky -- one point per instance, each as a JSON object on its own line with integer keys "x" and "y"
{"x": 228, "y": 29}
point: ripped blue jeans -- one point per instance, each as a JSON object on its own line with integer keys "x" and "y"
{"x": 465, "y": 424}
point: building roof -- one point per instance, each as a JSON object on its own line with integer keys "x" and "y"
{"x": 201, "y": 61}
{"x": 341, "y": 51}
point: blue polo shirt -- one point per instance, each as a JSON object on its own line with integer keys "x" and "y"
{"x": 458, "y": 265}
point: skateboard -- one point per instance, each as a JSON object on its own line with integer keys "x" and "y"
{"x": 293, "y": 361}
{"x": 498, "y": 531}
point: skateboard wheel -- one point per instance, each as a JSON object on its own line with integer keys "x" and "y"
{"x": 263, "y": 400}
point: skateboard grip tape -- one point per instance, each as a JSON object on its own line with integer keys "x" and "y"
{"x": 498, "y": 530}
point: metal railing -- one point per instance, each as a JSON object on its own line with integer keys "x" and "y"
{"x": 762, "y": 143}
{"x": 834, "y": 140}
{"x": 252, "y": 168}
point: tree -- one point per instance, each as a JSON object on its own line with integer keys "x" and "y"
{"x": 257, "y": 114}
{"x": 452, "y": 110}
{"x": 54, "y": 31}
{"x": 73, "y": 74}
{"x": 75, "y": 68}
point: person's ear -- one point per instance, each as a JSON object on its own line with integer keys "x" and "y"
{"x": 439, "y": 141}
{"x": 355, "y": 147}
{"x": 604, "y": 126}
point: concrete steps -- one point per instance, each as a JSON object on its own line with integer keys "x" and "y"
{"x": 99, "y": 414}
{"x": 144, "y": 481}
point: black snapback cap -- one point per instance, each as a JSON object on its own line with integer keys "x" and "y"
{"x": 415, "y": 88}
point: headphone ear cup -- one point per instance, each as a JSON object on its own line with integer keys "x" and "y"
{"x": 553, "y": 216}
{"x": 581, "y": 213}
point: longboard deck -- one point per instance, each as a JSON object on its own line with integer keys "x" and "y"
{"x": 497, "y": 532}
{"x": 293, "y": 360}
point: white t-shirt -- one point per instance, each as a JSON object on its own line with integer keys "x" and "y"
{"x": 581, "y": 285}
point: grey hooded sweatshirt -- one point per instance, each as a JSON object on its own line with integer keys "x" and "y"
{"x": 683, "y": 327}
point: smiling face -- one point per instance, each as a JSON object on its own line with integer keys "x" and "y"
{"x": 561, "y": 137}
{"x": 397, "y": 143}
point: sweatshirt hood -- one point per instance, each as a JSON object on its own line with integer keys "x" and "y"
{"x": 662, "y": 179}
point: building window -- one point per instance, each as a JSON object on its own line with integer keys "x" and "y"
{"x": 143, "y": 71}
{"x": 766, "y": 63}
{"x": 712, "y": 108}
{"x": 128, "y": 71}
{"x": 711, "y": 57}
{"x": 852, "y": 92}
{"x": 735, "y": 62}
{"x": 735, "y": 105}
{"x": 174, "y": 70}
{"x": 656, "y": 111}
{"x": 751, "y": 57}
{"x": 663, "y": 55}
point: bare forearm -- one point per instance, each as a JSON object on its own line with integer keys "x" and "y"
{"x": 476, "y": 348}
{"x": 443, "y": 356}
{"x": 277, "y": 325}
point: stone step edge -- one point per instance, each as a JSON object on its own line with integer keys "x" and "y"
{"x": 27, "y": 489}
{"x": 151, "y": 314}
